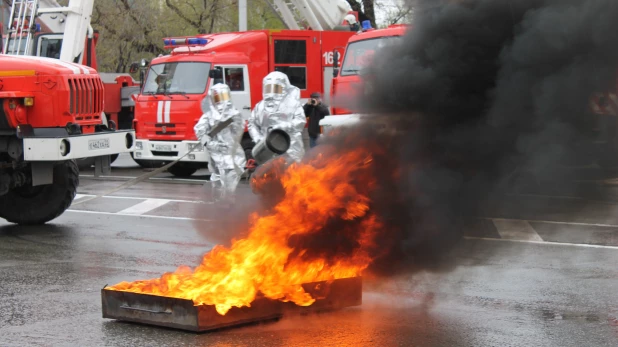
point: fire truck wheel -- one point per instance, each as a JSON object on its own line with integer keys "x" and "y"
{"x": 85, "y": 163}
{"x": 181, "y": 171}
{"x": 38, "y": 205}
{"x": 147, "y": 164}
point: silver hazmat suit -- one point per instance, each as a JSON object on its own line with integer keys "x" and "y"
{"x": 280, "y": 109}
{"x": 227, "y": 158}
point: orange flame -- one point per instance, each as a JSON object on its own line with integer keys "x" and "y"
{"x": 316, "y": 192}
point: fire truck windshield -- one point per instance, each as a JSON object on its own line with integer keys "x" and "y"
{"x": 177, "y": 78}
{"x": 359, "y": 53}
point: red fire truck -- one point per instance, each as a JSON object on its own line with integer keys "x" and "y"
{"x": 49, "y": 27}
{"x": 346, "y": 83}
{"x": 176, "y": 85}
{"x": 50, "y": 115}
{"x": 347, "y": 86}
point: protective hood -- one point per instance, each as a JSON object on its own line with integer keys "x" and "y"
{"x": 220, "y": 97}
{"x": 275, "y": 86}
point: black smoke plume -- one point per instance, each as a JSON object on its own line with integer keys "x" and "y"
{"x": 475, "y": 92}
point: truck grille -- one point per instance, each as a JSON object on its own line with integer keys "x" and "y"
{"x": 166, "y": 131}
{"x": 85, "y": 97}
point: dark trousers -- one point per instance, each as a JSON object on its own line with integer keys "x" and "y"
{"x": 313, "y": 141}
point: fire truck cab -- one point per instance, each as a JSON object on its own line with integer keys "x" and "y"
{"x": 51, "y": 114}
{"x": 42, "y": 33}
{"x": 347, "y": 84}
{"x": 176, "y": 86}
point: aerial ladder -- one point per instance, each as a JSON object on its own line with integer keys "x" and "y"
{"x": 22, "y": 12}
{"x": 72, "y": 20}
{"x": 313, "y": 14}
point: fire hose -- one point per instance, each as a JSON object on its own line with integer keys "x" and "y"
{"x": 135, "y": 180}
{"x": 148, "y": 175}
{"x": 277, "y": 142}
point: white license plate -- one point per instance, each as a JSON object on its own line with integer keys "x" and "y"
{"x": 94, "y": 145}
{"x": 163, "y": 148}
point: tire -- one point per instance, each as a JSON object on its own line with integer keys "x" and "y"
{"x": 147, "y": 164}
{"x": 38, "y": 205}
{"x": 181, "y": 171}
{"x": 85, "y": 163}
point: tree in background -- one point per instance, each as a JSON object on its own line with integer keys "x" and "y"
{"x": 395, "y": 12}
{"x": 130, "y": 30}
{"x": 365, "y": 9}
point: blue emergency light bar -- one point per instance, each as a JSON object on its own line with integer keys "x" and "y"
{"x": 366, "y": 25}
{"x": 197, "y": 41}
{"x": 185, "y": 41}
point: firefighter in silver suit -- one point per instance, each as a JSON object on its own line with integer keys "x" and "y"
{"x": 280, "y": 108}
{"x": 220, "y": 129}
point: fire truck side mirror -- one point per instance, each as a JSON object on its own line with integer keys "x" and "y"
{"x": 215, "y": 74}
{"x": 336, "y": 62}
{"x": 134, "y": 67}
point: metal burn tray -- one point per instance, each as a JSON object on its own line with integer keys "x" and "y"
{"x": 182, "y": 314}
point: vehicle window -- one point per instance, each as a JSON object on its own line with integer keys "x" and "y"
{"x": 177, "y": 78}
{"x": 296, "y": 74}
{"x": 218, "y": 80}
{"x": 50, "y": 48}
{"x": 12, "y": 44}
{"x": 235, "y": 78}
{"x": 290, "y": 52}
{"x": 359, "y": 53}
{"x": 291, "y": 59}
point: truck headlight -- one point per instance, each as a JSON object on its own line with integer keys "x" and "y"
{"x": 138, "y": 145}
{"x": 196, "y": 147}
{"x": 128, "y": 141}
{"x": 65, "y": 147}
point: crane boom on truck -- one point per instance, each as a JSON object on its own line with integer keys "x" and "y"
{"x": 318, "y": 15}
{"x": 50, "y": 115}
{"x": 175, "y": 85}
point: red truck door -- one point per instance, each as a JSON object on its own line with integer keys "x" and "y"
{"x": 299, "y": 58}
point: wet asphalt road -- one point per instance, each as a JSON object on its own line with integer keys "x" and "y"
{"x": 542, "y": 272}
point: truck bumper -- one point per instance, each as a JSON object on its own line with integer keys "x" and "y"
{"x": 58, "y": 148}
{"x": 170, "y": 151}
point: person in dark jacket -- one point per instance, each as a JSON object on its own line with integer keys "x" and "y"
{"x": 315, "y": 110}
